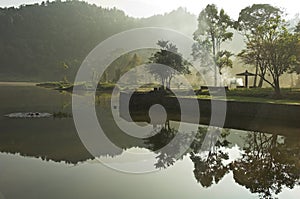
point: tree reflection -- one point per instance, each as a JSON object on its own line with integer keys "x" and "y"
{"x": 209, "y": 167}
{"x": 268, "y": 164}
{"x": 167, "y": 148}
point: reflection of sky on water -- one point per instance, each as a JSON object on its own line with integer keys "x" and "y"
{"x": 30, "y": 176}
{"x": 22, "y": 177}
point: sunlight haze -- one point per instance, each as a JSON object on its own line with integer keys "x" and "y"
{"x": 146, "y": 8}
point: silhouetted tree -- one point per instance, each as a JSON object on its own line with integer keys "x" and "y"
{"x": 169, "y": 56}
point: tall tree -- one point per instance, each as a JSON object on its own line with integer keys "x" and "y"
{"x": 212, "y": 32}
{"x": 169, "y": 56}
{"x": 274, "y": 49}
{"x": 250, "y": 18}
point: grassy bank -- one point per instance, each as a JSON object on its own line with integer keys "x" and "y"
{"x": 266, "y": 95}
{"x": 263, "y": 95}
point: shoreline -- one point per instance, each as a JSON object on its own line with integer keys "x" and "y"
{"x": 251, "y": 116}
{"x": 17, "y": 83}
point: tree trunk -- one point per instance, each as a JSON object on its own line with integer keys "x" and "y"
{"x": 260, "y": 83}
{"x": 262, "y": 71}
{"x": 169, "y": 83}
{"x": 255, "y": 77}
{"x": 277, "y": 87}
{"x": 215, "y": 61}
{"x": 163, "y": 83}
{"x": 292, "y": 80}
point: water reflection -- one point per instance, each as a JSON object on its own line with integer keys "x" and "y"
{"x": 166, "y": 156}
{"x": 209, "y": 165}
{"x": 267, "y": 164}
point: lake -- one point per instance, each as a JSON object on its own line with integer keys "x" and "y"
{"x": 47, "y": 158}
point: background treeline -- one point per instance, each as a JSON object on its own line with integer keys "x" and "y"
{"x": 48, "y": 41}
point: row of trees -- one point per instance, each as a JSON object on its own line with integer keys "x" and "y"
{"x": 271, "y": 45}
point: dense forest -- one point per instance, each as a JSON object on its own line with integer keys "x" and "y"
{"x": 38, "y": 42}
{"x": 48, "y": 41}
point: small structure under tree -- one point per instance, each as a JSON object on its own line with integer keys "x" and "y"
{"x": 246, "y": 74}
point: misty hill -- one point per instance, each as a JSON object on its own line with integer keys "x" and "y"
{"x": 180, "y": 20}
{"x": 38, "y": 42}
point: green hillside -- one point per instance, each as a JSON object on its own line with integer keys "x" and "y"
{"x": 37, "y": 42}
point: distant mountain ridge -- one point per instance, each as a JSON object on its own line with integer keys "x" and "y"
{"x": 37, "y": 41}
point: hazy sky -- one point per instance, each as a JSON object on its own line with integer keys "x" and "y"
{"x": 145, "y": 8}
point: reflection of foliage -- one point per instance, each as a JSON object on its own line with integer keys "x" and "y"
{"x": 167, "y": 155}
{"x": 64, "y": 111}
{"x": 61, "y": 114}
{"x": 267, "y": 165}
{"x": 216, "y": 139}
{"x": 210, "y": 168}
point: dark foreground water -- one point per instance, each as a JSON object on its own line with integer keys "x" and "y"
{"x": 45, "y": 158}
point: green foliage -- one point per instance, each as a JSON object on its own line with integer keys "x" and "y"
{"x": 168, "y": 56}
{"x": 61, "y": 114}
{"x": 249, "y": 23}
{"x": 122, "y": 65}
{"x": 211, "y": 33}
{"x": 253, "y": 16}
{"x": 106, "y": 86}
{"x": 223, "y": 59}
{"x": 273, "y": 49}
{"x": 36, "y": 39}
{"x": 60, "y": 84}
{"x": 297, "y": 29}
{"x": 296, "y": 67}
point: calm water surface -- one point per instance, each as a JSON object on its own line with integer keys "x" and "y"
{"x": 45, "y": 158}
